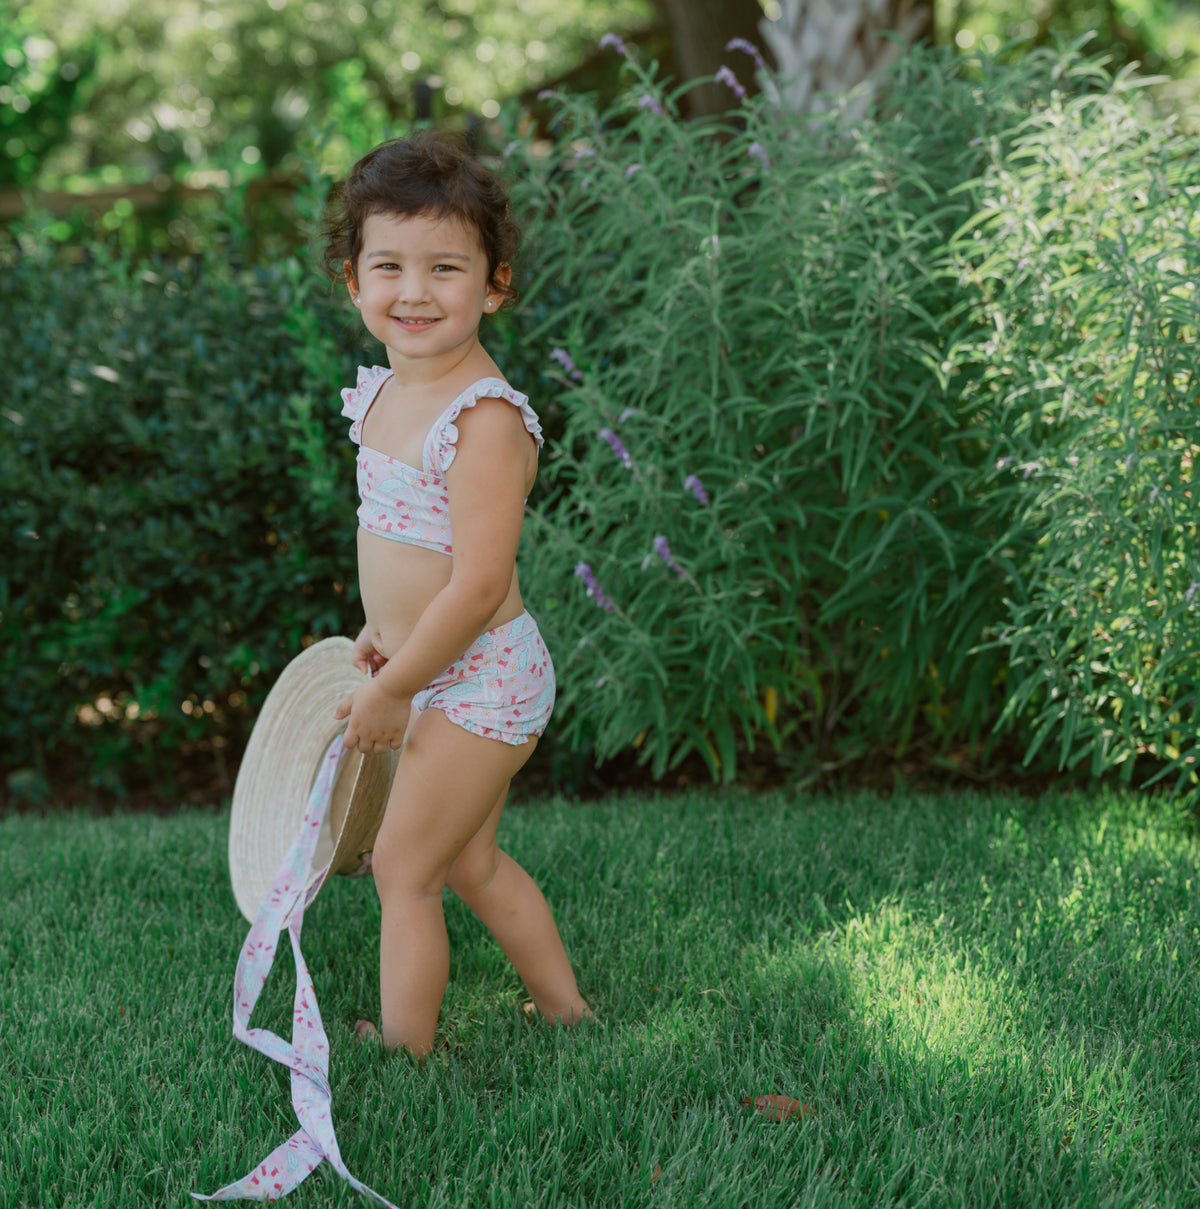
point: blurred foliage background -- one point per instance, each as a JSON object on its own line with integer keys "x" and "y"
{"x": 186, "y": 92}
{"x": 113, "y": 90}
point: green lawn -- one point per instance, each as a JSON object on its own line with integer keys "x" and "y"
{"x": 983, "y": 1001}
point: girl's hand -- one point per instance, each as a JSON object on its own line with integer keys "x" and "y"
{"x": 364, "y": 656}
{"x": 377, "y": 719}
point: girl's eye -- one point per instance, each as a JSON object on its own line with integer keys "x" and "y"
{"x": 445, "y": 268}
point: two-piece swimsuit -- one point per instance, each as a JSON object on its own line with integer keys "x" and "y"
{"x": 502, "y": 686}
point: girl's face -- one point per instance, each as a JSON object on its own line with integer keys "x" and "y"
{"x": 422, "y": 284}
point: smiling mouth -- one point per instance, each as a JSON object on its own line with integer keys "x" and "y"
{"x": 414, "y": 322}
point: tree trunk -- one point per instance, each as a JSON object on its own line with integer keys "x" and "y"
{"x": 825, "y": 48}
{"x": 701, "y": 29}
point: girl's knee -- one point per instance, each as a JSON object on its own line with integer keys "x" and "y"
{"x": 402, "y": 869}
{"x": 473, "y": 871}
{"x": 396, "y": 884}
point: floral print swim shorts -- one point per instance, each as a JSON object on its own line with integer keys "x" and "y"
{"x": 501, "y": 687}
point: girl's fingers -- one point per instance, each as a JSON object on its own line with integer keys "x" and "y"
{"x": 343, "y": 710}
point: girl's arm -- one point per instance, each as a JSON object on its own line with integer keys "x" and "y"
{"x": 487, "y": 484}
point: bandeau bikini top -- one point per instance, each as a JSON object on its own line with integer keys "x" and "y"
{"x": 400, "y": 501}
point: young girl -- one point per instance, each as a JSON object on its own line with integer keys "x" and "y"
{"x": 461, "y": 681}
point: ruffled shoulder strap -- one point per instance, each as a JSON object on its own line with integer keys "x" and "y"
{"x": 440, "y": 444}
{"x": 357, "y": 399}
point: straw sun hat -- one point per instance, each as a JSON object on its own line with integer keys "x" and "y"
{"x": 279, "y": 769}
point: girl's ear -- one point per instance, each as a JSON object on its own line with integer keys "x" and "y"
{"x": 498, "y": 289}
{"x": 351, "y": 280}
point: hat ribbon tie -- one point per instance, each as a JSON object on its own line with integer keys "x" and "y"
{"x": 307, "y": 1056}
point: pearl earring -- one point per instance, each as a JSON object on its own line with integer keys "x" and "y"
{"x": 357, "y": 300}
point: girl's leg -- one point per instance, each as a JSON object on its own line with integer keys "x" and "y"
{"x": 513, "y": 909}
{"x": 445, "y": 789}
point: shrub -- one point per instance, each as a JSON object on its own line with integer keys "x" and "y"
{"x": 1084, "y": 264}
{"x": 911, "y": 441}
{"x": 175, "y": 530}
{"x": 767, "y": 487}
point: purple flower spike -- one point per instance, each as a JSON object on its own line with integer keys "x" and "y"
{"x": 584, "y": 572}
{"x": 632, "y": 170}
{"x": 725, "y": 76}
{"x": 564, "y": 359}
{"x": 663, "y": 550}
{"x": 696, "y": 487}
{"x": 647, "y": 101}
{"x": 1193, "y": 588}
{"x": 760, "y": 153}
{"x": 615, "y": 42}
{"x": 746, "y": 45}
{"x": 614, "y": 441}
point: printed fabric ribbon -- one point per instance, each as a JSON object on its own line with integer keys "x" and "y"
{"x": 307, "y": 1057}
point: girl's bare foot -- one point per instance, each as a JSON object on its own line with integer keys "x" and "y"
{"x": 365, "y": 1033}
{"x": 364, "y": 1030}
{"x": 569, "y": 1018}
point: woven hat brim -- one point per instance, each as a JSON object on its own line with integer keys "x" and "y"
{"x": 283, "y": 757}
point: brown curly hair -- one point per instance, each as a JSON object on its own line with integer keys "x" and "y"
{"x": 429, "y": 173}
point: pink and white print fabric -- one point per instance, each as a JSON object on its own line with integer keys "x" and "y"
{"x": 501, "y": 687}
{"x": 307, "y": 1057}
{"x": 411, "y": 503}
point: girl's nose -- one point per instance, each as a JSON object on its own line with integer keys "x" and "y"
{"x": 414, "y": 288}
